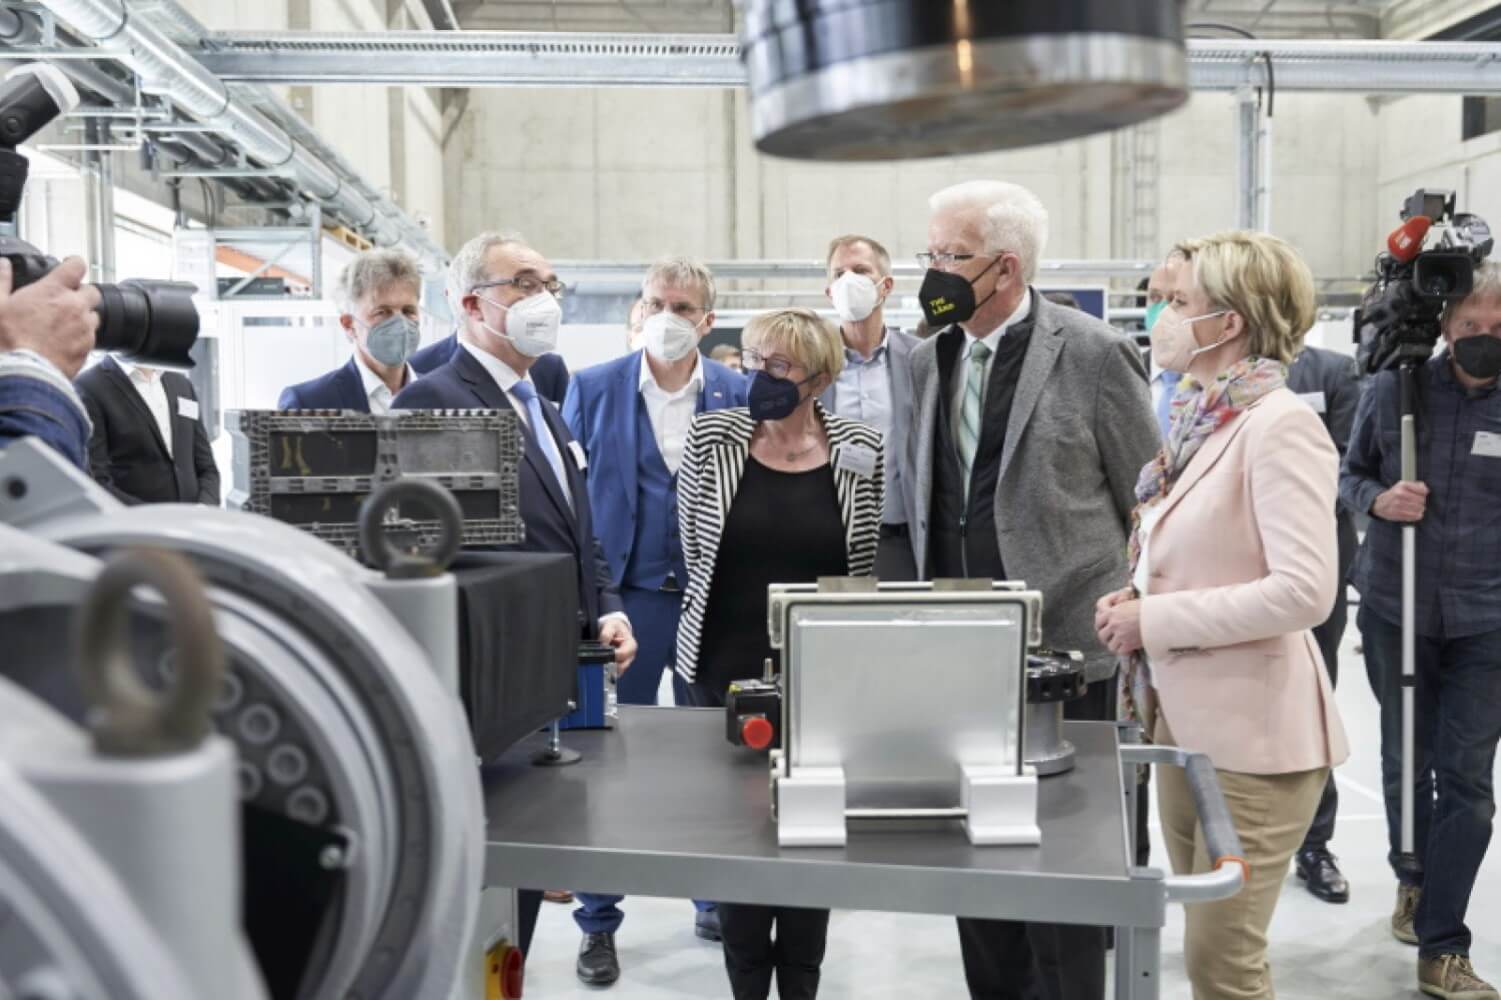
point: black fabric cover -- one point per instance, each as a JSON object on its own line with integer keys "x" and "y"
{"x": 518, "y": 643}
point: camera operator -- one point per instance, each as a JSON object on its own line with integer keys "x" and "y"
{"x": 46, "y": 333}
{"x": 1457, "y": 712}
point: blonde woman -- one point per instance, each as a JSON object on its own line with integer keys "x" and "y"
{"x": 1234, "y": 560}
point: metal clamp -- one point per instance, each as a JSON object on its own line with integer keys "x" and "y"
{"x": 1221, "y": 842}
{"x": 375, "y": 543}
{"x": 129, "y": 719}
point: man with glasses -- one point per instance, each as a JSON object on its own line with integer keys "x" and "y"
{"x": 548, "y": 373}
{"x": 1031, "y": 425}
{"x": 632, "y": 415}
{"x": 509, "y": 297}
{"x": 875, "y": 385}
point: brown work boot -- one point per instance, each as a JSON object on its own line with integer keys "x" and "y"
{"x": 1405, "y": 910}
{"x": 1452, "y": 977}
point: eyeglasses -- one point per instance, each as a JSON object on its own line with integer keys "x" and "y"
{"x": 943, "y": 261}
{"x": 753, "y": 361}
{"x": 650, "y": 307}
{"x": 528, "y": 286}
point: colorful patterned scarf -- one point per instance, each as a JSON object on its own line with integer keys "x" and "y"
{"x": 1198, "y": 411}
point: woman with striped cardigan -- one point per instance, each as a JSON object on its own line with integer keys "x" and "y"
{"x": 780, "y": 491}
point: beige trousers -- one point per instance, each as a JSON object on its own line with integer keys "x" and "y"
{"x": 1224, "y": 944}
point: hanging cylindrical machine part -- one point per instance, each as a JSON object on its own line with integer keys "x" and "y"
{"x": 892, "y": 79}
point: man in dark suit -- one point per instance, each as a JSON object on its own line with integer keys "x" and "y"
{"x": 875, "y": 386}
{"x": 1031, "y": 423}
{"x": 510, "y": 319}
{"x": 1329, "y": 382}
{"x": 149, "y": 444}
{"x": 549, "y": 373}
{"x": 380, "y": 291}
{"x": 632, "y": 417}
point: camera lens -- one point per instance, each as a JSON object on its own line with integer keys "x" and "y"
{"x": 150, "y": 322}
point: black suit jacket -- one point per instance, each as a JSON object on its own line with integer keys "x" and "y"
{"x": 551, "y": 526}
{"x": 126, "y": 452}
{"x": 340, "y": 389}
{"x": 549, "y": 372}
{"x": 1337, "y": 377}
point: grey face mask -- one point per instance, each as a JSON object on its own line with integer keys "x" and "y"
{"x": 393, "y": 340}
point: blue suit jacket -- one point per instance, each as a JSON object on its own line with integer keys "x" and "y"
{"x": 340, "y": 389}
{"x": 601, "y": 413}
{"x": 551, "y": 526}
{"x": 549, "y": 373}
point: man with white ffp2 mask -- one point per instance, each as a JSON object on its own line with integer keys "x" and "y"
{"x": 875, "y": 385}
{"x": 379, "y": 292}
{"x": 632, "y": 416}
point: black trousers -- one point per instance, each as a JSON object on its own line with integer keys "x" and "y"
{"x": 894, "y": 558}
{"x": 752, "y": 956}
{"x": 1012, "y": 960}
{"x": 1328, "y": 636}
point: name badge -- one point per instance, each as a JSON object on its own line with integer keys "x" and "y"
{"x": 579, "y": 458}
{"x": 187, "y": 407}
{"x": 1315, "y": 400}
{"x": 858, "y": 459}
{"x": 1488, "y": 444}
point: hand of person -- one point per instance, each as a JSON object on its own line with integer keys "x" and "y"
{"x": 617, "y": 633}
{"x": 53, "y": 316}
{"x": 1103, "y": 605}
{"x": 1120, "y": 630}
{"x": 1403, "y": 503}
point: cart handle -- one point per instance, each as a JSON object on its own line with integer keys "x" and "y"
{"x": 1229, "y": 868}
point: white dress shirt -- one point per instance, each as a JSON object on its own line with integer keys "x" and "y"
{"x": 991, "y": 340}
{"x": 671, "y": 413}
{"x": 376, "y": 391}
{"x": 148, "y": 382}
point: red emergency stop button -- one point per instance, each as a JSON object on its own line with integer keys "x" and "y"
{"x": 511, "y": 973}
{"x": 756, "y": 732}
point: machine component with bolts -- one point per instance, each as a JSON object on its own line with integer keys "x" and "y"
{"x": 1053, "y": 678}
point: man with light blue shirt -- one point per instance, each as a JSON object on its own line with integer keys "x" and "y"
{"x": 875, "y": 386}
{"x": 1164, "y": 382}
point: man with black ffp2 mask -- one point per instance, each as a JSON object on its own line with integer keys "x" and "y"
{"x": 1457, "y": 619}
{"x": 1031, "y": 423}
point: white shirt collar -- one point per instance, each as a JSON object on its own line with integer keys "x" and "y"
{"x": 504, "y": 375}
{"x": 648, "y": 381}
{"x": 133, "y": 372}
{"x": 372, "y": 382}
{"x": 993, "y": 338}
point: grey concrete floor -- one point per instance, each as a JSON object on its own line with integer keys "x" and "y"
{"x": 1318, "y": 951}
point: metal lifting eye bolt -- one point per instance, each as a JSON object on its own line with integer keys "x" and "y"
{"x": 375, "y": 540}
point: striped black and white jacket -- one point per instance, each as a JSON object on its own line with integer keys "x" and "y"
{"x": 713, "y": 464}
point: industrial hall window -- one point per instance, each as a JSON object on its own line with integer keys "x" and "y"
{"x": 1482, "y": 115}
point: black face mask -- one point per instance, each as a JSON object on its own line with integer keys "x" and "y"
{"x": 1479, "y": 356}
{"x": 950, "y": 298}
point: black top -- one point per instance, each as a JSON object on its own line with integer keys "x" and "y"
{"x": 784, "y": 527}
{"x": 963, "y": 535}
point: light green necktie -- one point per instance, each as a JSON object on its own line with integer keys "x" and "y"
{"x": 969, "y": 411}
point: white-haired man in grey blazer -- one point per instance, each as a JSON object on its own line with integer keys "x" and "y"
{"x": 1031, "y": 424}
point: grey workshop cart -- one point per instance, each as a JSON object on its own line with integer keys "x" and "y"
{"x": 663, "y": 805}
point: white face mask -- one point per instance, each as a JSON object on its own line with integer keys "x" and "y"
{"x": 855, "y": 297}
{"x": 531, "y": 324}
{"x": 668, "y": 336}
{"x": 1173, "y": 345}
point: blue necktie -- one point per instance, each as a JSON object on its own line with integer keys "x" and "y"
{"x": 1169, "y": 382}
{"x": 527, "y": 393}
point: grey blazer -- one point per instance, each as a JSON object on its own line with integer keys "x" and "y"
{"x": 899, "y": 347}
{"x": 1080, "y": 430}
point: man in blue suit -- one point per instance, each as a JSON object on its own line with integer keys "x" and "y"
{"x": 632, "y": 417}
{"x": 509, "y": 319}
{"x": 379, "y": 292}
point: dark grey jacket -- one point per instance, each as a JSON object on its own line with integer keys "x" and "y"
{"x": 1080, "y": 430}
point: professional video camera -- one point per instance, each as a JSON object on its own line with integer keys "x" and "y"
{"x": 150, "y": 322}
{"x": 1399, "y": 319}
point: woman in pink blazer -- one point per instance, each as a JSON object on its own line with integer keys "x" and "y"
{"x": 1234, "y": 561}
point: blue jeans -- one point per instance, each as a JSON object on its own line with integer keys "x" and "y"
{"x": 1456, "y": 726}
{"x": 601, "y": 914}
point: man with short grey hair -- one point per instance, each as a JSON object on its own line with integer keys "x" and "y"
{"x": 548, "y": 373}
{"x": 1031, "y": 424}
{"x": 379, "y": 294}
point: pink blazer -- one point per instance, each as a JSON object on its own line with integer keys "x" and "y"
{"x": 1241, "y": 564}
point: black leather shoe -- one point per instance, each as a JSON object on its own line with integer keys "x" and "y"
{"x": 597, "y": 964}
{"x": 1318, "y": 870}
{"x": 706, "y": 925}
